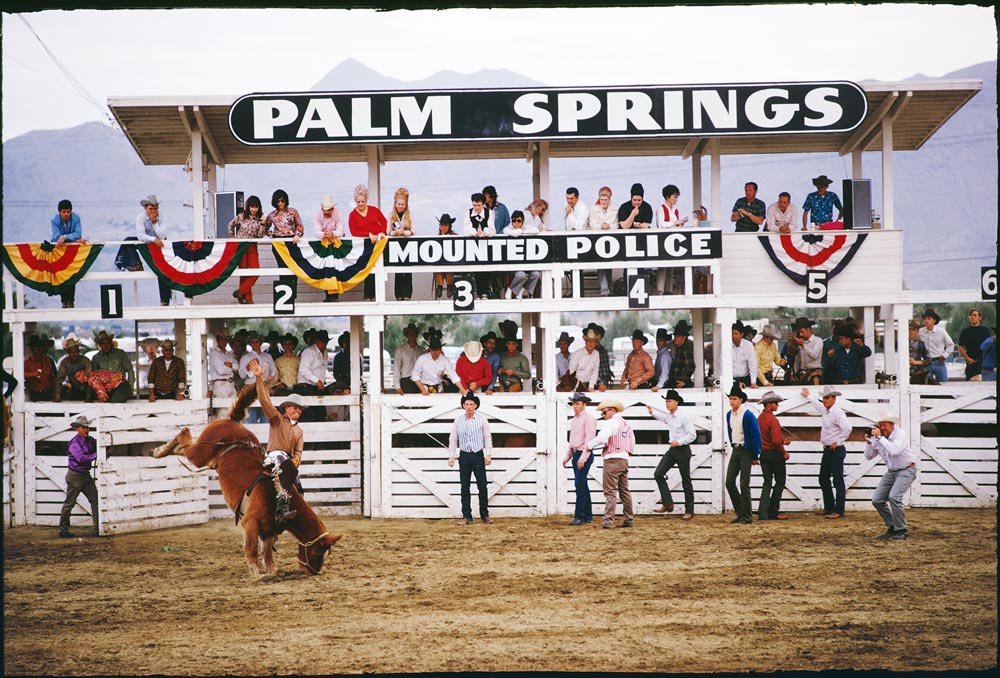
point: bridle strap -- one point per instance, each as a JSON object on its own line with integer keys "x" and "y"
{"x": 310, "y": 543}
{"x": 307, "y": 545}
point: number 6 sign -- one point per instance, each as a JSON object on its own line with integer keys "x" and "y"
{"x": 988, "y": 281}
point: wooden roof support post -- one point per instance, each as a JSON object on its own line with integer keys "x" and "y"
{"x": 716, "y": 206}
{"x": 373, "y": 156}
{"x": 696, "y": 201}
{"x": 371, "y": 431}
{"x": 197, "y": 186}
{"x": 856, "y": 171}
{"x": 887, "y": 219}
{"x": 211, "y": 179}
{"x": 723, "y": 347}
{"x": 540, "y": 172}
{"x": 887, "y": 313}
{"x": 698, "y": 336}
{"x": 904, "y": 312}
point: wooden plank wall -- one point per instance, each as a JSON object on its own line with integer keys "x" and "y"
{"x": 8, "y": 490}
{"x": 416, "y": 479}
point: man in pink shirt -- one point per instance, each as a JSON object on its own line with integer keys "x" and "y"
{"x": 582, "y": 427}
{"x": 617, "y": 442}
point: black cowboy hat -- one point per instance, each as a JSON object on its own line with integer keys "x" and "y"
{"x": 737, "y": 392}
{"x": 822, "y": 180}
{"x": 343, "y": 340}
{"x": 598, "y": 330}
{"x": 674, "y": 395}
{"x": 638, "y": 334}
{"x": 321, "y": 335}
{"x": 508, "y": 328}
{"x": 434, "y": 343}
{"x": 290, "y": 337}
{"x": 579, "y": 398}
{"x": 929, "y": 313}
{"x": 446, "y": 219}
{"x": 564, "y": 337}
{"x": 801, "y": 322}
{"x": 845, "y": 331}
{"x": 433, "y": 332}
{"x": 662, "y": 334}
{"x": 682, "y": 328}
{"x": 489, "y": 335}
{"x": 470, "y": 396}
{"x": 410, "y": 329}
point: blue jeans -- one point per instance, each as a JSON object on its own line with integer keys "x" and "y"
{"x": 469, "y": 464}
{"x": 255, "y": 415}
{"x": 990, "y": 374}
{"x": 831, "y": 467}
{"x": 584, "y": 509}
{"x": 888, "y": 497}
{"x": 939, "y": 370}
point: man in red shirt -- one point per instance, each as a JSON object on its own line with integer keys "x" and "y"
{"x": 772, "y": 459}
{"x": 39, "y": 370}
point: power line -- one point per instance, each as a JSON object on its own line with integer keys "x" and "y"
{"x": 76, "y": 84}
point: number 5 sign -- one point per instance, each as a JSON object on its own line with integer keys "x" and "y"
{"x": 816, "y": 287}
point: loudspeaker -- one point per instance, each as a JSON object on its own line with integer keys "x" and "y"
{"x": 857, "y": 203}
{"x": 227, "y": 206}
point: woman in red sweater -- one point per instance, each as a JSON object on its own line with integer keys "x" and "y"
{"x": 366, "y": 221}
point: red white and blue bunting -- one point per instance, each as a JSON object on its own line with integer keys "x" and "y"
{"x": 193, "y": 266}
{"x": 333, "y": 266}
{"x": 796, "y": 253}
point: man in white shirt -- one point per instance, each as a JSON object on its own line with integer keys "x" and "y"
{"x": 664, "y": 358}
{"x": 890, "y": 442}
{"x": 149, "y": 229}
{"x": 781, "y": 215}
{"x": 938, "y": 343}
{"x": 586, "y": 361}
{"x": 808, "y": 367}
{"x": 313, "y": 371}
{"x": 744, "y": 358}
{"x": 404, "y": 359}
{"x": 834, "y": 432}
{"x": 430, "y": 369}
{"x": 577, "y": 214}
{"x": 221, "y": 365}
{"x": 682, "y": 434}
{"x": 563, "y": 355}
{"x": 255, "y": 415}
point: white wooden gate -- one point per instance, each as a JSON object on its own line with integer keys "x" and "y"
{"x": 416, "y": 480}
{"x": 651, "y": 444}
{"x": 954, "y": 427}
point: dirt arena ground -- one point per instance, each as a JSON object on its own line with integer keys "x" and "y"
{"x": 519, "y": 595}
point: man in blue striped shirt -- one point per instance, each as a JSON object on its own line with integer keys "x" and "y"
{"x": 470, "y": 435}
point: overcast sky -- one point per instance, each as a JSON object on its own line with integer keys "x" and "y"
{"x": 157, "y": 52}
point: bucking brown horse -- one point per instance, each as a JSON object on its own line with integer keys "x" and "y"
{"x": 238, "y": 457}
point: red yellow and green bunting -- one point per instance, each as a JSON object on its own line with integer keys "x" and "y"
{"x": 46, "y": 267}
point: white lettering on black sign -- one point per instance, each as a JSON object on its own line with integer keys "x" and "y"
{"x": 546, "y": 113}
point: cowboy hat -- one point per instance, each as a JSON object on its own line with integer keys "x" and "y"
{"x": 597, "y": 329}
{"x": 929, "y": 313}
{"x": 167, "y": 344}
{"x": 327, "y": 202}
{"x": 682, "y": 328}
{"x": 446, "y": 219}
{"x": 252, "y": 336}
{"x": 222, "y": 331}
{"x": 579, "y": 398}
{"x": 470, "y": 396}
{"x": 822, "y": 180}
{"x": 486, "y": 337}
{"x": 473, "y": 351}
{"x": 343, "y": 340}
{"x": 770, "y": 397}
{"x": 290, "y": 337}
{"x": 914, "y": 324}
{"x": 434, "y": 343}
{"x": 589, "y": 333}
{"x": 293, "y": 399}
{"x": 103, "y": 336}
{"x": 564, "y": 337}
{"x": 845, "y": 330}
{"x": 737, "y": 392}
{"x": 662, "y": 334}
{"x": 801, "y": 322}
{"x": 886, "y": 415}
{"x": 674, "y": 395}
{"x": 829, "y": 391}
{"x": 771, "y": 331}
{"x": 272, "y": 336}
{"x": 321, "y": 335}
{"x": 508, "y": 328}
{"x": 70, "y": 342}
{"x": 410, "y": 329}
{"x": 150, "y": 200}
{"x": 82, "y": 421}
{"x": 638, "y": 334}
{"x": 605, "y": 404}
{"x": 433, "y": 332}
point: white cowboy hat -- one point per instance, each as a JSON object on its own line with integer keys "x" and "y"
{"x": 886, "y": 415}
{"x": 293, "y": 399}
{"x": 82, "y": 421}
{"x": 328, "y": 203}
{"x": 473, "y": 351}
{"x": 70, "y": 341}
{"x": 771, "y": 331}
{"x": 770, "y": 397}
{"x": 829, "y": 391}
{"x": 605, "y": 404}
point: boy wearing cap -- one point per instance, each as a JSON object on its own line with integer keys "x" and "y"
{"x": 582, "y": 427}
{"x": 833, "y": 433}
{"x": 889, "y": 441}
{"x": 773, "y": 456}
{"x": 617, "y": 443}
{"x": 285, "y": 441}
{"x": 744, "y": 436}
{"x": 470, "y": 435}
{"x": 818, "y": 207}
{"x": 167, "y": 375}
{"x": 678, "y": 453}
{"x": 638, "y": 364}
{"x": 82, "y": 453}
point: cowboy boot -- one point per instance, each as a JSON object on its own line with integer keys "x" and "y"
{"x": 284, "y": 511}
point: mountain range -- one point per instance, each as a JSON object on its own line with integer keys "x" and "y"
{"x": 939, "y": 189}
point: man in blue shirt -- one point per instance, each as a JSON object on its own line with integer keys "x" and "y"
{"x": 67, "y": 229}
{"x": 749, "y": 211}
{"x": 818, "y": 207}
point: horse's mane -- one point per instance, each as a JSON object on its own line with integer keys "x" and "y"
{"x": 244, "y": 399}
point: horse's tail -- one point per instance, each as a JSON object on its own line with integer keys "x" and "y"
{"x": 244, "y": 399}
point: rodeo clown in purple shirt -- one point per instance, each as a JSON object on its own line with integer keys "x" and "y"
{"x": 82, "y": 453}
